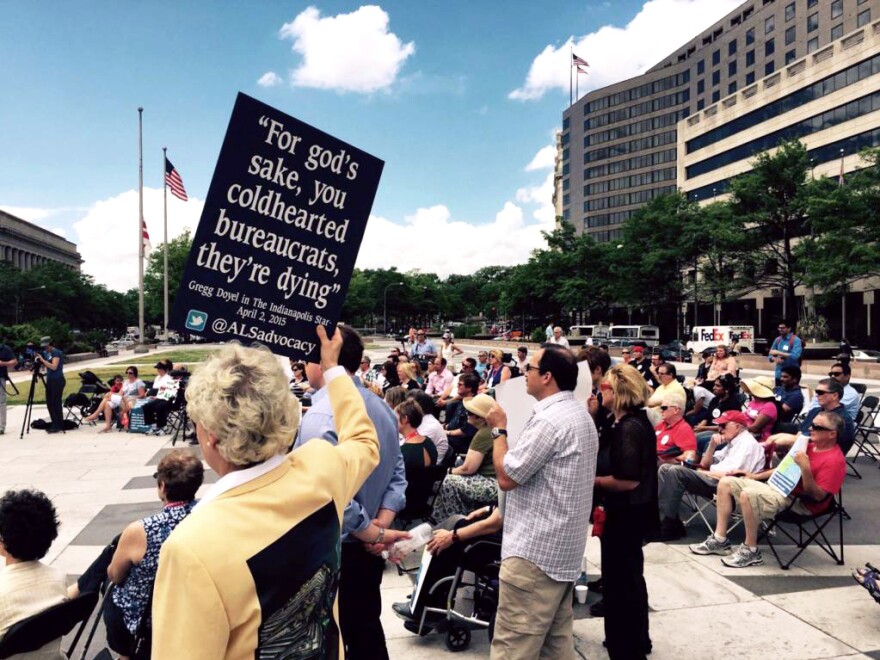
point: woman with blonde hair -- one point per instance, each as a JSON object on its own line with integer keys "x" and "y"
{"x": 629, "y": 494}
{"x": 406, "y": 372}
{"x": 497, "y": 371}
{"x": 255, "y": 569}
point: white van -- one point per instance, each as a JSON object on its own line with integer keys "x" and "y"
{"x": 710, "y": 336}
{"x": 596, "y": 332}
{"x": 625, "y": 334}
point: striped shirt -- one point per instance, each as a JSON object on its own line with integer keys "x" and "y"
{"x": 554, "y": 464}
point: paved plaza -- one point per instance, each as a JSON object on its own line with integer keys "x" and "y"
{"x": 700, "y": 608}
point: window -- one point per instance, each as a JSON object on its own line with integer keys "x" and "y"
{"x": 863, "y": 18}
{"x": 700, "y": 105}
{"x": 750, "y": 77}
{"x": 769, "y": 68}
{"x": 769, "y": 24}
{"x": 701, "y": 67}
{"x": 750, "y": 36}
{"x": 813, "y": 44}
{"x": 861, "y": 2}
{"x": 790, "y": 35}
{"x": 731, "y": 88}
{"x": 716, "y": 58}
{"x": 836, "y": 9}
{"x": 701, "y": 86}
{"x": 731, "y": 68}
{"x": 813, "y": 22}
{"x": 789, "y": 12}
{"x": 769, "y": 47}
{"x": 813, "y": 3}
{"x": 716, "y": 78}
{"x": 836, "y": 32}
{"x": 731, "y": 48}
{"x": 750, "y": 57}
{"x": 715, "y": 96}
{"x": 790, "y": 56}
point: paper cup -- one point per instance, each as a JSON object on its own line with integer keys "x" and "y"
{"x": 580, "y": 591}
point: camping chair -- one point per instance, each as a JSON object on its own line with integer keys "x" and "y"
{"x": 810, "y": 529}
{"x": 699, "y": 505}
{"x": 36, "y": 631}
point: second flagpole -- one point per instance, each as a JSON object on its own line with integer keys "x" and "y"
{"x": 165, "y": 247}
{"x": 141, "y": 226}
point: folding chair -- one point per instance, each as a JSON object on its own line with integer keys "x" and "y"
{"x": 693, "y": 502}
{"x": 810, "y": 529}
{"x": 850, "y": 462}
{"x": 861, "y": 388}
{"x": 36, "y": 631}
{"x": 869, "y": 410}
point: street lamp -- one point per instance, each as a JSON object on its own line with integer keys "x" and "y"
{"x": 385, "y": 305}
{"x": 18, "y": 298}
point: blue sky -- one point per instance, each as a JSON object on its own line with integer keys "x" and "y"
{"x": 457, "y": 98}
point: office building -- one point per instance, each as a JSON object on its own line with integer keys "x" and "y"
{"x": 25, "y": 245}
{"x": 621, "y": 144}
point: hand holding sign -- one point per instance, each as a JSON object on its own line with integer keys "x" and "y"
{"x": 279, "y": 233}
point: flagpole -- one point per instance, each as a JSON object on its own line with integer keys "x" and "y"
{"x": 141, "y": 225}
{"x": 165, "y": 201}
{"x": 570, "y": 67}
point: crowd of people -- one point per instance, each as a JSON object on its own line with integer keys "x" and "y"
{"x": 286, "y": 551}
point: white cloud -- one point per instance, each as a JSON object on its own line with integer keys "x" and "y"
{"x": 544, "y": 159}
{"x": 616, "y": 53}
{"x": 348, "y": 52}
{"x": 269, "y": 79}
{"x": 107, "y": 235}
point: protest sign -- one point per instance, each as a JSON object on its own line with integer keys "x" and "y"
{"x": 277, "y": 241}
{"x": 787, "y": 474}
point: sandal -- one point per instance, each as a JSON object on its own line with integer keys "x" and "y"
{"x": 868, "y": 578}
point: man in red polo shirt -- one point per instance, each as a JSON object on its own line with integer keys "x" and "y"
{"x": 676, "y": 441}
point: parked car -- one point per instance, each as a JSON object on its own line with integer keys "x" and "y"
{"x": 675, "y": 351}
{"x": 122, "y": 343}
{"x": 866, "y": 355}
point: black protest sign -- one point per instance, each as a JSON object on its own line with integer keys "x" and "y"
{"x": 277, "y": 241}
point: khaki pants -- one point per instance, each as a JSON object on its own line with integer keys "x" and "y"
{"x": 534, "y": 618}
{"x": 766, "y": 501}
{"x": 2, "y": 407}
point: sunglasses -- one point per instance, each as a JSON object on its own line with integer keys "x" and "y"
{"x": 665, "y": 408}
{"x": 820, "y": 392}
{"x": 531, "y": 367}
{"x": 663, "y": 373}
{"x": 624, "y": 352}
{"x": 834, "y": 374}
{"x": 818, "y": 427}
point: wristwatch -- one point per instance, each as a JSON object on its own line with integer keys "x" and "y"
{"x": 455, "y": 536}
{"x": 498, "y": 432}
{"x": 380, "y": 537}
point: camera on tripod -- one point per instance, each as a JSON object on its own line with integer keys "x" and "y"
{"x": 38, "y": 365}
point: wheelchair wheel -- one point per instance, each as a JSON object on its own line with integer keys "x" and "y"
{"x": 458, "y": 639}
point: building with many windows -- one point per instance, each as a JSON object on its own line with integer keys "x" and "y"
{"x": 25, "y": 245}
{"x": 620, "y": 144}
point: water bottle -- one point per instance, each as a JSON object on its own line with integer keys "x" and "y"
{"x": 419, "y": 536}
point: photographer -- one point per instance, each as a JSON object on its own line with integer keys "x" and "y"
{"x": 53, "y": 359}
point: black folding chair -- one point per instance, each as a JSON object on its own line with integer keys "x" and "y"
{"x": 31, "y": 634}
{"x": 867, "y": 427}
{"x": 420, "y": 495}
{"x": 810, "y": 529}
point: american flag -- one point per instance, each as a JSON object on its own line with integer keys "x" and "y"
{"x": 577, "y": 61}
{"x": 582, "y": 70}
{"x": 145, "y": 236}
{"x": 173, "y": 181}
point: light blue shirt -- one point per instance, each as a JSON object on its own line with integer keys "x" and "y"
{"x": 385, "y": 488}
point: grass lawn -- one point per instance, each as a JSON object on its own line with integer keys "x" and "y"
{"x": 178, "y": 355}
{"x": 73, "y": 383}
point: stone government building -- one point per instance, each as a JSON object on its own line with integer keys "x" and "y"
{"x": 26, "y": 246}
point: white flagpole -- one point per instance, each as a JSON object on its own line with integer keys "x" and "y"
{"x": 165, "y": 201}
{"x": 141, "y": 225}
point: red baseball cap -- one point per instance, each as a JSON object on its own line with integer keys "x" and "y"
{"x": 638, "y": 349}
{"x": 734, "y": 416}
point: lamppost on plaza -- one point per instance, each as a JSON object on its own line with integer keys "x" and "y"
{"x": 385, "y": 305}
{"x": 18, "y": 298}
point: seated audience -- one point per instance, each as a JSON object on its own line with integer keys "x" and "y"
{"x": 389, "y": 377}
{"x": 701, "y": 400}
{"x": 761, "y": 408}
{"x": 459, "y": 430}
{"x": 789, "y": 395}
{"x": 261, "y": 551}
{"x": 823, "y": 469}
{"x": 740, "y": 453}
{"x": 666, "y": 375}
{"x": 430, "y": 426}
{"x": 497, "y": 372}
{"x": 406, "y": 373}
{"x": 829, "y": 392}
{"x": 449, "y": 543}
{"x": 28, "y": 525}
{"x": 439, "y": 379}
{"x": 850, "y": 399}
{"x": 522, "y": 358}
{"x": 472, "y": 484}
{"x": 723, "y": 365}
{"x": 132, "y": 559}
{"x": 394, "y": 396}
{"x": 676, "y": 442}
{"x": 468, "y": 366}
{"x": 643, "y": 364}
{"x": 726, "y": 398}
{"x": 703, "y": 370}
{"x": 156, "y": 409}
{"x": 417, "y": 450}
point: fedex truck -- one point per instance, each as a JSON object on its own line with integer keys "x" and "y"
{"x": 709, "y": 336}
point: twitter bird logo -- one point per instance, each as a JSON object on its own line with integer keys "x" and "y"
{"x": 195, "y": 320}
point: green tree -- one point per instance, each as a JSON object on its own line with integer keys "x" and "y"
{"x": 772, "y": 201}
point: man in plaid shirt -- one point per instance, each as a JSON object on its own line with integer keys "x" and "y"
{"x": 548, "y": 476}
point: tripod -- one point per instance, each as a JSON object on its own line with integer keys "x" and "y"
{"x": 29, "y": 406}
